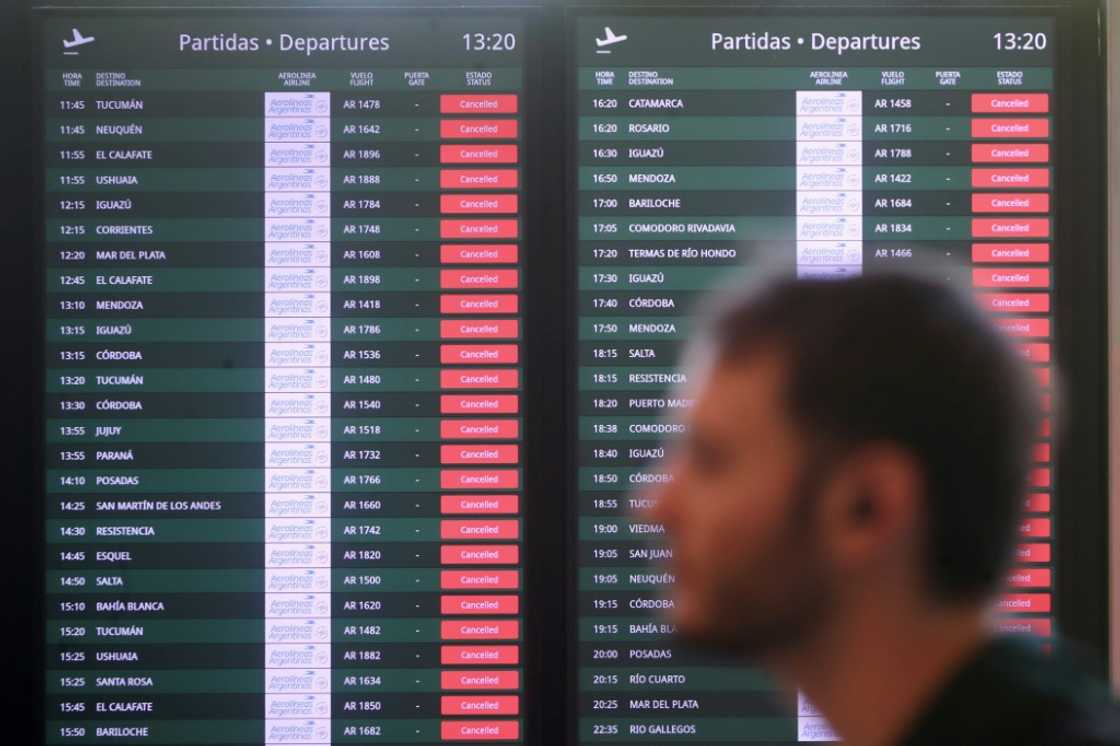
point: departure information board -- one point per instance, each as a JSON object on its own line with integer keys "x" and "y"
{"x": 283, "y": 375}
{"x": 827, "y": 147}
{"x": 335, "y": 303}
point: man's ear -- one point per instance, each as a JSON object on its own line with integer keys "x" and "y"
{"x": 872, "y": 505}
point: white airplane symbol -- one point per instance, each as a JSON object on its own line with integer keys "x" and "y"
{"x": 77, "y": 41}
{"x": 612, "y": 38}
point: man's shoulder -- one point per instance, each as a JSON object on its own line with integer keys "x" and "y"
{"x": 1074, "y": 707}
{"x": 1016, "y": 693}
{"x": 1094, "y": 725}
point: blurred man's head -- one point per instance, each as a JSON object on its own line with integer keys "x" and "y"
{"x": 849, "y": 440}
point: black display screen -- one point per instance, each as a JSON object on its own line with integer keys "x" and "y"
{"x": 709, "y": 147}
{"x": 358, "y": 332}
{"x": 283, "y": 375}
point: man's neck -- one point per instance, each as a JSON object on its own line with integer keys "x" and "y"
{"x": 872, "y": 677}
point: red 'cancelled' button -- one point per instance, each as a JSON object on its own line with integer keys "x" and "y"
{"x": 1038, "y": 528}
{"x": 487, "y": 279}
{"x": 455, "y": 204}
{"x": 1010, "y": 127}
{"x": 467, "y": 403}
{"x": 474, "y": 378}
{"x": 1035, "y": 577}
{"x": 1003, "y": 227}
{"x": 1025, "y": 327}
{"x": 1009, "y": 202}
{"x": 1040, "y": 452}
{"x": 1028, "y": 277}
{"x": 507, "y": 604}
{"x": 478, "y": 154}
{"x": 492, "y": 704}
{"x": 1010, "y": 253}
{"x": 1022, "y": 302}
{"x": 1036, "y": 352}
{"x": 489, "y": 629}
{"x": 488, "y": 579}
{"x": 1025, "y": 602}
{"x": 472, "y": 504}
{"x": 1004, "y": 178}
{"x": 478, "y": 329}
{"x": 1032, "y": 553}
{"x": 1040, "y": 477}
{"x": 1037, "y": 502}
{"x": 478, "y": 129}
{"x": 489, "y": 253}
{"x": 478, "y": 178}
{"x": 478, "y": 429}
{"x": 1044, "y": 428}
{"x": 476, "y": 229}
{"x": 465, "y": 680}
{"x": 479, "y": 554}
{"x": 476, "y": 303}
{"x": 478, "y": 454}
{"x": 483, "y": 529}
{"x": 1007, "y": 103}
{"x": 1010, "y": 152}
{"x": 479, "y": 730}
{"x": 474, "y": 103}
{"x": 1025, "y": 626}
{"x": 476, "y": 655}
{"x": 477, "y": 354}
{"x": 479, "y": 479}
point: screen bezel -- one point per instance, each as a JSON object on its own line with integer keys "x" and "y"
{"x": 1082, "y": 530}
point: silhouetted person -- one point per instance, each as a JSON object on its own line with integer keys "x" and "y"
{"x": 844, "y": 512}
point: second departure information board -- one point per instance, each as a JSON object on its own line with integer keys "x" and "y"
{"x": 824, "y": 146}
{"x": 283, "y": 385}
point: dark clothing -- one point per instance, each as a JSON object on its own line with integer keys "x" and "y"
{"x": 1015, "y": 693}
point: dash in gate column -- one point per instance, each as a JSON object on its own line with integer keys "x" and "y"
{"x": 427, "y": 406}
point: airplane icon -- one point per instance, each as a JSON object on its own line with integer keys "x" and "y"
{"x": 77, "y": 41}
{"x": 612, "y": 38}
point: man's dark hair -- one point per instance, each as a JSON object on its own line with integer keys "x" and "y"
{"x": 914, "y": 363}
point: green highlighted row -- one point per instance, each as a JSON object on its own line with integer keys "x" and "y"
{"x": 293, "y": 329}
{"x": 767, "y": 178}
{"x": 234, "y": 631}
{"x": 235, "y": 430}
{"x": 178, "y": 481}
{"x": 241, "y": 680}
{"x": 343, "y": 179}
{"x": 298, "y": 281}
{"x": 356, "y": 581}
{"x": 239, "y": 379}
{"x": 807, "y": 130}
{"x": 226, "y": 230}
{"x": 196, "y": 732}
{"x": 339, "y": 130}
{"x": 686, "y": 728}
{"x": 733, "y": 227}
